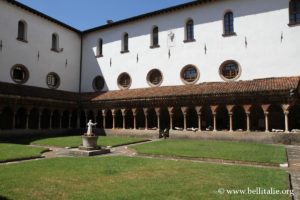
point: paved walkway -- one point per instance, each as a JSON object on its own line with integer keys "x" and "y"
{"x": 293, "y": 153}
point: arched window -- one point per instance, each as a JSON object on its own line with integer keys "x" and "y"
{"x": 125, "y": 43}
{"x": 154, "y": 37}
{"x": 189, "y": 31}
{"x": 55, "y": 42}
{"x": 228, "y": 23}
{"x": 99, "y": 47}
{"x": 294, "y": 12}
{"x": 22, "y": 31}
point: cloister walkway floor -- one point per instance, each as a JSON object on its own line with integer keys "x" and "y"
{"x": 293, "y": 154}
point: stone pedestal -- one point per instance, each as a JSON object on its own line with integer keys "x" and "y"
{"x": 89, "y": 143}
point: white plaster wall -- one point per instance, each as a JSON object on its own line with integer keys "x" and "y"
{"x": 262, "y": 22}
{"x": 39, "y": 34}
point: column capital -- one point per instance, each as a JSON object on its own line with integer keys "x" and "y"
{"x": 198, "y": 109}
{"x": 113, "y": 112}
{"x": 170, "y": 110}
{"x": 157, "y": 110}
{"x": 134, "y": 111}
{"x": 230, "y": 108}
{"x": 265, "y": 107}
{"x": 184, "y": 110}
{"x": 247, "y": 108}
{"x": 286, "y": 112}
{"x": 123, "y": 111}
{"x": 285, "y": 107}
{"x": 214, "y": 109}
{"x": 145, "y": 111}
{"x": 266, "y": 113}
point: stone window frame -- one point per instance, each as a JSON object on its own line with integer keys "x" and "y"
{"x": 189, "y": 31}
{"x": 94, "y": 83}
{"x": 24, "y": 69}
{"x": 184, "y": 69}
{"x": 118, "y": 81}
{"x": 228, "y": 62}
{"x": 148, "y": 78}
{"x": 55, "y": 75}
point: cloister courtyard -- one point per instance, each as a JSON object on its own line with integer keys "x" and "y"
{"x": 145, "y": 167}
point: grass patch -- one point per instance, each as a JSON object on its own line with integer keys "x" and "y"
{"x": 239, "y": 151}
{"x": 10, "y": 152}
{"x": 133, "y": 178}
{"x": 75, "y": 141}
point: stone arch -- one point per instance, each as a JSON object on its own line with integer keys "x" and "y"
{"x": 33, "y": 120}
{"x": 164, "y": 118}
{"x": 152, "y": 118}
{"x": 65, "y": 119}
{"x": 178, "y": 118}
{"x": 55, "y": 119}
{"x": 74, "y": 119}
{"x": 206, "y": 118}
{"x": 239, "y": 118}
{"x": 6, "y": 121}
{"x": 294, "y": 117}
{"x": 191, "y": 118}
{"x": 140, "y": 119}
{"x": 99, "y": 119}
{"x": 109, "y": 119}
{"x": 118, "y": 119}
{"x": 45, "y": 119}
{"x": 83, "y": 119}
{"x": 129, "y": 119}
{"x": 257, "y": 118}
{"x": 21, "y": 118}
{"x": 276, "y": 117}
{"x": 222, "y": 118}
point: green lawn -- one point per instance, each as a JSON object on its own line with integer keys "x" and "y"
{"x": 75, "y": 141}
{"x": 134, "y": 178}
{"x": 15, "y": 151}
{"x": 216, "y": 149}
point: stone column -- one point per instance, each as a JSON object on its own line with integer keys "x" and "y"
{"x": 171, "y": 109}
{"x": 214, "y": 113}
{"x": 50, "y": 122}
{"x": 113, "y": 112}
{"x": 78, "y": 119}
{"x": 215, "y": 121}
{"x": 230, "y": 113}
{"x": 184, "y": 112}
{"x": 230, "y": 122}
{"x": 266, "y": 121}
{"x": 27, "y": 119}
{"x": 146, "y": 117}
{"x": 157, "y": 110}
{"x": 248, "y": 121}
{"x": 40, "y": 120}
{"x": 14, "y": 120}
{"x": 247, "y": 109}
{"x": 265, "y": 108}
{"x": 124, "y": 118}
{"x": 198, "y": 110}
{"x": 285, "y": 108}
{"x": 134, "y": 112}
{"x": 104, "y": 118}
{"x": 70, "y": 119}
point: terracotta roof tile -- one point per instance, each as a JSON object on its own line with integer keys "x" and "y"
{"x": 37, "y": 92}
{"x": 266, "y": 85}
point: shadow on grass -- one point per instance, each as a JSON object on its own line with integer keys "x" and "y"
{"x": 4, "y": 198}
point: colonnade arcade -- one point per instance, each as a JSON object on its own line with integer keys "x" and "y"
{"x": 216, "y": 117}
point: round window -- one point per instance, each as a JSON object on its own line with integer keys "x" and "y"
{"x": 230, "y": 71}
{"x": 98, "y": 83}
{"x": 53, "y": 80}
{"x": 190, "y": 74}
{"x": 154, "y": 77}
{"x": 124, "y": 81}
{"x": 19, "y": 74}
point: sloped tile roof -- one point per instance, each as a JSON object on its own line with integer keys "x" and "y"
{"x": 36, "y": 92}
{"x": 267, "y": 85}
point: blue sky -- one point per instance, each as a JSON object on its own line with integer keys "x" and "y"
{"x": 85, "y": 14}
